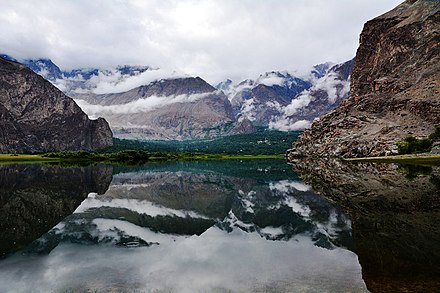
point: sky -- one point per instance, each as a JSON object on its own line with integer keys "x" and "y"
{"x": 213, "y": 39}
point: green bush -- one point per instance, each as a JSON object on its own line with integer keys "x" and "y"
{"x": 436, "y": 134}
{"x": 412, "y": 145}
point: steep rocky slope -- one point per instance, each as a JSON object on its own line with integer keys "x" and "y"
{"x": 182, "y": 108}
{"x": 37, "y": 117}
{"x": 394, "y": 87}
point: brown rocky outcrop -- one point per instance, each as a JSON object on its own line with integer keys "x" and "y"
{"x": 37, "y": 117}
{"x": 394, "y": 87}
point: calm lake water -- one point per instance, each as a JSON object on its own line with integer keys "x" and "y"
{"x": 243, "y": 226}
{"x": 217, "y": 226}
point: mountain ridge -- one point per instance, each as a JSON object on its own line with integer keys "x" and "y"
{"x": 394, "y": 89}
{"x": 278, "y": 100}
{"x": 37, "y": 117}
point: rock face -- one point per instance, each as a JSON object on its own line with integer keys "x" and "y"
{"x": 37, "y": 117}
{"x": 182, "y": 108}
{"x": 394, "y": 87}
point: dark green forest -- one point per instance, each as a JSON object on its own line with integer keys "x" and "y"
{"x": 263, "y": 142}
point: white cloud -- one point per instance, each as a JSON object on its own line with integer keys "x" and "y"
{"x": 138, "y": 106}
{"x": 271, "y": 80}
{"x": 286, "y": 124}
{"x": 303, "y": 100}
{"x": 211, "y": 39}
{"x": 215, "y": 261}
{"x": 114, "y": 84}
{"x": 247, "y": 109}
{"x": 286, "y": 185}
{"x": 329, "y": 84}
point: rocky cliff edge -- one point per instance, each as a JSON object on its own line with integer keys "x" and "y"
{"x": 395, "y": 87}
{"x": 37, "y": 117}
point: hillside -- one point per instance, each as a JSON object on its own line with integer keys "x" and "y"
{"x": 183, "y": 108}
{"x": 394, "y": 87}
{"x": 37, "y": 117}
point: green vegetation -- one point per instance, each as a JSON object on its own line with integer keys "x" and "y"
{"x": 412, "y": 145}
{"x": 126, "y": 157}
{"x": 22, "y": 158}
{"x": 263, "y": 142}
{"x": 139, "y": 156}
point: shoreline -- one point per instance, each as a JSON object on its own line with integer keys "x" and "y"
{"x": 40, "y": 158}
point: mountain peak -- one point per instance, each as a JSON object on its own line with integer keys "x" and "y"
{"x": 44, "y": 67}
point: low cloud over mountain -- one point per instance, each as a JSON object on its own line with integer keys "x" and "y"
{"x": 151, "y": 103}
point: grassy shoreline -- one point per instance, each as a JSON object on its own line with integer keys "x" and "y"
{"x": 4, "y": 158}
{"x": 114, "y": 158}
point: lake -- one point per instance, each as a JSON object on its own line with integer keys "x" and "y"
{"x": 204, "y": 226}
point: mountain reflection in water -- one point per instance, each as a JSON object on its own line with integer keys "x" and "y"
{"x": 395, "y": 211}
{"x": 219, "y": 226}
{"x": 34, "y": 198}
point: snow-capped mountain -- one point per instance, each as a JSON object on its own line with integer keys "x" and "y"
{"x": 141, "y": 102}
{"x": 82, "y": 80}
{"x": 283, "y": 101}
{"x": 44, "y": 67}
{"x": 325, "y": 95}
{"x": 86, "y": 80}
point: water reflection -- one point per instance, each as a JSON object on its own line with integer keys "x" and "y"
{"x": 396, "y": 219}
{"x": 249, "y": 226}
{"x": 34, "y": 198}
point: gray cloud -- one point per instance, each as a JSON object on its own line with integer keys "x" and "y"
{"x": 211, "y": 39}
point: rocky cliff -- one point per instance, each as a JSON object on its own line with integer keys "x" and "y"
{"x": 37, "y": 117}
{"x": 394, "y": 87}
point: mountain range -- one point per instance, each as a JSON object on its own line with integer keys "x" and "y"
{"x": 141, "y": 102}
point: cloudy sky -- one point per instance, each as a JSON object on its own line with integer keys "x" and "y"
{"x": 214, "y": 39}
